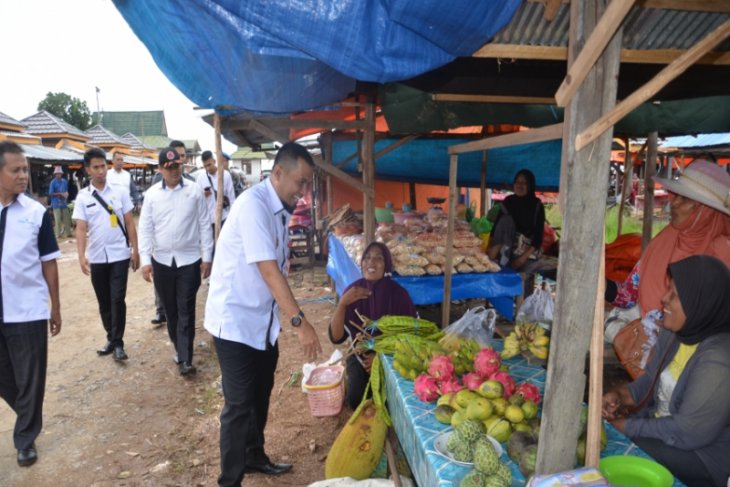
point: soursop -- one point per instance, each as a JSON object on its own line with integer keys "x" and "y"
{"x": 470, "y": 430}
{"x": 486, "y": 459}
{"x": 455, "y": 439}
{"x": 475, "y": 478}
{"x": 504, "y": 473}
{"x": 463, "y": 453}
{"x": 494, "y": 481}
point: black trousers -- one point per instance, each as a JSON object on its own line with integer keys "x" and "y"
{"x": 178, "y": 287}
{"x": 110, "y": 286}
{"x": 357, "y": 379}
{"x": 685, "y": 465}
{"x": 23, "y": 362}
{"x": 248, "y": 379}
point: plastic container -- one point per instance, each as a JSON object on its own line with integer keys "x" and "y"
{"x": 383, "y": 215}
{"x": 326, "y": 390}
{"x": 627, "y": 470}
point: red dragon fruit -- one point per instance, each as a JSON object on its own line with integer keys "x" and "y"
{"x": 472, "y": 381}
{"x": 441, "y": 367}
{"x": 426, "y": 388}
{"x": 529, "y": 391}
{"x": 507, "y": 382}
{"x": 487, "y": 362}
{"x": 450, "y": 385}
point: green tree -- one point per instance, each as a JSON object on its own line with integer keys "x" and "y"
{"x": 69, "y": 108}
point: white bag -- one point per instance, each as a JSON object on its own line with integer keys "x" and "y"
{"x": 308, "y": 367}
{"x": 538, "y": 307}
{"x": 477, "y": 323}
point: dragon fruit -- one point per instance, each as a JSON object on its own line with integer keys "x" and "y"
{"x": 426, "y": 388}
{"x": 487, "y": 362}
{"x": 450, "y": 385}
{"x": 529, "y": 392}
{"x": 441, "y": 367}
{"x": 472, "y": 381}
{"x": 507, "y": 382}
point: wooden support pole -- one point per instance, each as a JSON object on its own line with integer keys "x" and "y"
{"x": 580, "y": 248}
{"x": 368, "y": 173}
{"x": 326, "y": 141}
{"x": 626, "y": 189}
{"x": 412, "y": 195}
{"x": 549, "y": 132}
{"x": 340, "y": 174}
{"x": 649, "y": 171}
{"x": 653, "y": 86}
{"x": 483, "y": 184}
{"x": 595, "y": 390}
{"x": 594, "y": 46}
{"x": 449, "y": 267}
{"x": 219, "y": 176}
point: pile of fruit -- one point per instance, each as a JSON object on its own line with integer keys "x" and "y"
{"x": 467, "y": 443}
{"x": 526, "y": 337}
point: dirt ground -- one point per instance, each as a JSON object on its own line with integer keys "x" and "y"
{"x": 140, "y": 423}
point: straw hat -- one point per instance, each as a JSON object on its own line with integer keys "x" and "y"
{"x": 704, "y": 182}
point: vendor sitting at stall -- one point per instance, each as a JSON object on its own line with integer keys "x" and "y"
{"x": 680, "y": 409}
{"x": 373, "y": 296}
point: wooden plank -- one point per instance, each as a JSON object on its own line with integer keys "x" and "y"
{"x": 448, "y": 267}
{"x": 453, "y": 97}
{"x": 368, "y": 173}
{"x": 266, "y": 131}
{"x": 695, "y": 5}
{"x": 549, "y": 132}
{"x": 303, "y": 123}
{"x": 551, "y": 9}
{"x": 340, "y": 174}
{"x": 649, "y": 171}
{"x": 595, "y": 390}
{"x": 653, "y": 86}
{"x": 628, "y": 176}
{"x": 483, "y": 185}
{"x": 412, "y": 194}
{"x": 347, "y": 159}
{"x": 381, "y": 152}
{"x": 634, "y": 56}
{"x": 594, "y": 46}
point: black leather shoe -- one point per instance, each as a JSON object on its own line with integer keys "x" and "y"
{"x": 186, "y": 368}
{"x": 176, "y": 359}
{"x": 119, "y": 353}
{"x": 27, "y": 456}
{"x": 106, "y": 349}
{"x": 269, "y": 468}
{"x": 159, "y": 320}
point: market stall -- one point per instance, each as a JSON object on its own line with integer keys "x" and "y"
{"x": 499, "y": 288}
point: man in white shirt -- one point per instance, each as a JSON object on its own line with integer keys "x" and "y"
{"x": 28, "y": 274}
{"x": 121, "y": 179}
{"x": 248, "y": 288}
{"x": 105, "y": 212}
{"x": 208, "y": 182}
{"x": 174, "y": 234}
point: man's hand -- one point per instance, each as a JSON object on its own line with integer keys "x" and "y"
{"x": 55, "y": 321}
{"x": 205, "y": 270}
{"x": 355, "y": 293}
{"x": 134, "y": 261}
{"x": 84, "y": 263}
{"x": 147, "y": 272}
{"x": 610, "y": 405}
{"x": 309, "y": 340}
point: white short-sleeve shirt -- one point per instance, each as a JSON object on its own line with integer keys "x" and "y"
{"x": 106, "y": 244}
{"x": 240, "y": 306}
{"x": 120, "y": 180}
{"x": 28, "y": 241}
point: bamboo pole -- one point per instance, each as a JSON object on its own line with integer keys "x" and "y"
{"x": 595, "y": 389}
{"x": 368, "y": 172}
{"x": 219, "y": 174}
{"x": 448, "y": 267}
{"x": 649, "y": 168}
{"x": 628, "y": 175}
{"x": 483, "y": 185}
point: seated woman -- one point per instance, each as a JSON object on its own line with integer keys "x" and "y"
{"x": 680, "y": 409}
{"x": 373, "y": 296}
{"x": 521, "y": 219}
{"x": 700, "y": 224}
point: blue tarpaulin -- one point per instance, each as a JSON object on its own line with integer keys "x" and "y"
{"x": 499, "y": 287}
{"x": 427, "y": 161}
{"x": 281, "y": 56}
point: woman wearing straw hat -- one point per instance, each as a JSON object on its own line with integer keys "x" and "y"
{"x": 700, "y": 224}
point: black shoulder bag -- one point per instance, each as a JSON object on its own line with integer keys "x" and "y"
{"x": 110, "y": 209}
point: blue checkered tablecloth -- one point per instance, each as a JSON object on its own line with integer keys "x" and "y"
{"x": 417, "y": 428}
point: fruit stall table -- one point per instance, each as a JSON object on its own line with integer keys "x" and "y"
{"x": 417, "y": 428}
{"x": 500, "y": 288}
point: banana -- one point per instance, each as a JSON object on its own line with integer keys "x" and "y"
{"x": 541, "y": 341}
{"x": 539, "y": 352}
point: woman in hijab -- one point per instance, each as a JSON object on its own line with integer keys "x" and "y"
{"x": 373, "y": 296}
{"x": 517, "y": 234}
{"x": 700, "y": 224}
{"x": 680, "y": 409}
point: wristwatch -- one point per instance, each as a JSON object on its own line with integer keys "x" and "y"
{"x": 297, "y": 319}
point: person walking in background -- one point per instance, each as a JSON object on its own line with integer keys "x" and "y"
{"x": 28, "y": 275}
{"x": 248, "y": 289}
{"x": 58, "y": 193}
{"x": 176, "y": 249}
{"x": 105, "y": 212}
{"x": 121, "y": 179}
{"x": 208, "y": 182}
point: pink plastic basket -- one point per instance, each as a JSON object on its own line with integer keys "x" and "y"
{"x": 326, "y": 390}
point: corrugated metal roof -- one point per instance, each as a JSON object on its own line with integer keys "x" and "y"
{"x": 43, "y": 153}
{"x": 47, "y": 123}
{"x": 155, "y": 141}
{"x": 644, "y": 28}
{"x": 700, "y": 140}
{"x": 102, "y": 135}
{"x": 139, "y": 123}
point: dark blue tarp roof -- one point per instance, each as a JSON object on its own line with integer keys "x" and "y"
{"x": 282, "y": 56}
{"x": 427, "y": 161}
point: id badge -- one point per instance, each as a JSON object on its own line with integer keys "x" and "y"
{"x": 113, "y": 220}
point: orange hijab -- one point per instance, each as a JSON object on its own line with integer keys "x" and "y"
{"x": 706, "y": 231}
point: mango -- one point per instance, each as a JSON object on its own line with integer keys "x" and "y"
{"x": 443, "y": 413}
{"x": 514, "y": 414}
{"x": 479, "y": 409}
{"x": 500, "y": 405}
{"x": 500, "y": 430}
{"x": 530, "y": 409}
{"x": 457, "y": 418}
{"x": 464, "y": 397}
{"x": 445, "y": 399}
{"x": 491, "y": 389}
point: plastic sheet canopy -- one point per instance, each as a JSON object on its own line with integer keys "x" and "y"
{"x": 280, "y": 56}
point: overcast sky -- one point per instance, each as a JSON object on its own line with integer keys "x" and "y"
{"x": 73, "y": 46}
